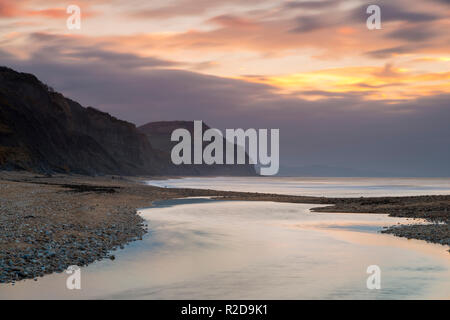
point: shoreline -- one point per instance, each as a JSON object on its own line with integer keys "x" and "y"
{"x": 49, "y": 223}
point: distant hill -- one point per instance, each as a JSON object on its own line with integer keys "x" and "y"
{"x": 328, "y": 171}
{"x": 159, "y": 134}
{"x": 43, "y": 131}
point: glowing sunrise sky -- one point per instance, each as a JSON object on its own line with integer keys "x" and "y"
{"x": 252, "y": 63}
{"x": 295, "y": 46}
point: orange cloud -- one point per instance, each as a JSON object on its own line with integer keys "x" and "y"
{"x": 56, "y": 13}
{"x": 346, "y": 30}
{"x": 376, "y": 83}
{"x": 9, "y": 9}
{"x": 27, "y": 8}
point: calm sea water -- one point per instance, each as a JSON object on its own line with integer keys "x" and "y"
{"x": 326, "y": 187}
{"x": 204, "y": 249}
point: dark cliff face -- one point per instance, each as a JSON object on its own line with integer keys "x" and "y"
{"x": 41, "y": 130}
{"x": 159, "y": 134}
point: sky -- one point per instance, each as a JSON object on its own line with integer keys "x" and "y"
{"x": 342, "y": 95}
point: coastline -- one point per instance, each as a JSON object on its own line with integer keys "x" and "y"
{"x": 50, "y": 223}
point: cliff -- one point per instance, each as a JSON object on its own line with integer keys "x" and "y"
{"x": 41, "y": 130}
{"x": 159, "y": 134}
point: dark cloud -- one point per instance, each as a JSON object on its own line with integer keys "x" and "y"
{"x": 123, "y": 59}
{"x": 391, "y": 13}
{"x": 416, "y": 30}
{"x": 413, "y": 34}
{"x": 443, "y": 1}
{"x": 205, "y": 65}
{"x": 311, "y": 23}
{"x": 69, "y": 50}
{"x": 323, "y": 93}
{"x": 314, "y": 5}
{"x": 5, "y": 55}
{"x": 371, "y": 86}
{"x": 388, "y": 52}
